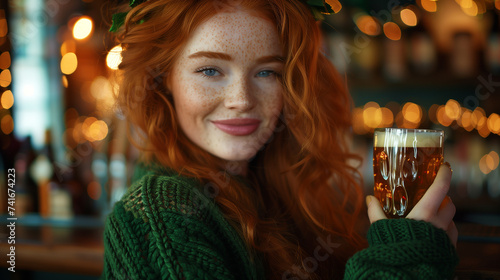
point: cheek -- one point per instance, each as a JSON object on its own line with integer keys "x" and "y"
{"x": 273, "y": 103}
{"x": 193, "y": 98}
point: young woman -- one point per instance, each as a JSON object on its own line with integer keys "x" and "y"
{"x": 245, "y": 171}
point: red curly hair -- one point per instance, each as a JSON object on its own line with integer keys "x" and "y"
{"x": 303, "y": 188}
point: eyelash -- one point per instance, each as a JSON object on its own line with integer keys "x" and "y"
{"x": 201, "y": 70}
{"x": 271, "y": 73}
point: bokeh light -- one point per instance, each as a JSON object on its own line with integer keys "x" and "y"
{"x": 489, "y": 162}
{"x": 466, "y": 120}
{"x": 478, "y": 117}
{"x": 114, "y": 57}
{"x": 469, "y": 7}
{"x": 465, "y": 3}
{"x": 68, "y": 46}
{"x": 335, "y": 4}
{"x": 7, "y": 99}
{"x": 481, "y": 122}
{"x": 5, "y": 60}
{"x": 428, "y": 5}
{"x": 387, "y": 117}
{"x": 358, "y": 125}
{"x": 372, "y": 115}
{"x": 94, "y": 190}
{"x": 69, "y": 63}
{"x": 368, "y": 25}
{"x": 442, "y": 117}
{"x": 7, "y": 124}
{"x": 98, "y": 130}
{"x": 64, "y": 81}
{"x": 3, "y": 27}
{"x": 86, "y": 127}
{"x": 82, "y": 28}
{"x": 452, "y": 109}
{"x": 483, "y": 166}
{"x": 392, "y": 31}
{"x": 101, "y": 88}
{"x": 412, "y": 115}
{"x": 494, "y": 123}
{"x": 495, "y": 160}
{"x": 5, "y": 78}
{"x": 408, "y": 17}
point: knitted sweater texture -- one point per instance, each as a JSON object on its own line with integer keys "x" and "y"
{"x": 164, "y": 227}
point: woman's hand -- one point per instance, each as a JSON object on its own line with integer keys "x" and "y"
{"x": 434, "y": 207}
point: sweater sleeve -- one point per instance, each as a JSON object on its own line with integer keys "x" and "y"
{"x": 404, "y": 249}
{"x": 159, "y": 231}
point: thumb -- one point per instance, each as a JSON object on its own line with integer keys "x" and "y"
{"x": 375, "y": 211}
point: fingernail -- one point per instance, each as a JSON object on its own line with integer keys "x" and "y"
{"x": 368, "y": 200}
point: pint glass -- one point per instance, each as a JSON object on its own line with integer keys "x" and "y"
{"x": 405, "y": 163}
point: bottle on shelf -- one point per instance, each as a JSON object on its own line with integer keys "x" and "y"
{"x": 26, "y": 188}
{"x": 54, "y": 201}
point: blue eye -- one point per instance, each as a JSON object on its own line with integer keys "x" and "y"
{"x": 208, "y": 72}
{"x": 265, "y": 73}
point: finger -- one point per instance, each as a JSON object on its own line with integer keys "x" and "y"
{"x": 445, "y": 214}
{"x": 452, "y": 233}
{"x": 445, "y": 202}
{"x": 375, "y": 211}
{"x": 436, "y": 193}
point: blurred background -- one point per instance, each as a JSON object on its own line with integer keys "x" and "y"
{"x": 412, "y": 64}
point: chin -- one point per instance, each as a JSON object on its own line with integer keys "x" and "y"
{"x": 238, "y": 155}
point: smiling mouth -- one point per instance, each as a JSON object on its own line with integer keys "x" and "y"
{"x": 238, "y": 127}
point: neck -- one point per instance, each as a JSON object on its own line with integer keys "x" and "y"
{"x": 237, "y": 167}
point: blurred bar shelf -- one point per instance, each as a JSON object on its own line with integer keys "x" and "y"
{"x": 64, "y": 246}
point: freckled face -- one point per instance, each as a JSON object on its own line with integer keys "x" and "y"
{"x": 224, "y": 84}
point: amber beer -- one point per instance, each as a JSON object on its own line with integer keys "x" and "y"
{"x": 405, "y": 163}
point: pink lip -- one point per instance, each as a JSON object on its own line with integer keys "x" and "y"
{"x": 237, "y": 127}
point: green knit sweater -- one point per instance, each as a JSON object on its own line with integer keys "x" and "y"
{"x": 164, "y": 227}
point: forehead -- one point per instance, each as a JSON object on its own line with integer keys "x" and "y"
{"x": 235, "y": 32}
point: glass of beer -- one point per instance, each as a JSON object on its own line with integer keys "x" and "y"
{"x": 405, "y": 163}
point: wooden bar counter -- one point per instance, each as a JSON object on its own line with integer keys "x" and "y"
{"x": 74, "y": 246}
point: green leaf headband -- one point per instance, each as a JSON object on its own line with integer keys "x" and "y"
{"x": 318, "y": 9}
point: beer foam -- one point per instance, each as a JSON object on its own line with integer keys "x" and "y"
{"x": 408, "y": 138}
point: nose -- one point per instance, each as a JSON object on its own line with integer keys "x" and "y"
{"x": 239, "y": 95}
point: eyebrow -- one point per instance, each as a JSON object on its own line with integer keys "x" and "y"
{"x": 224, "y": 56}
